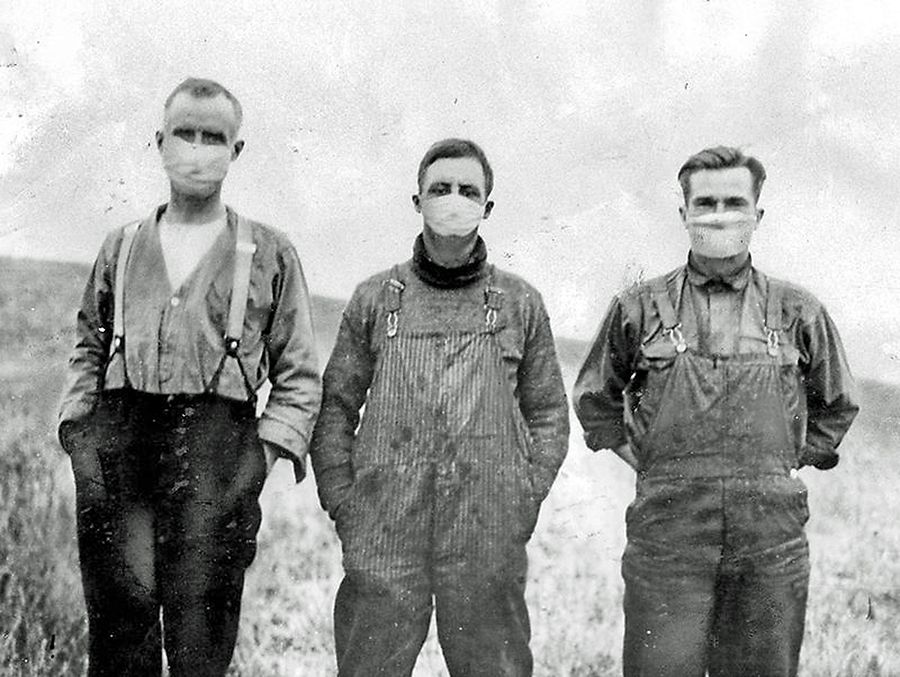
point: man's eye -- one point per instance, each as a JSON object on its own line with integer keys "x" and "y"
{"x": 213, "y": 139}
{"x": 184, "y": 134}
{"x": 439, "y": 189}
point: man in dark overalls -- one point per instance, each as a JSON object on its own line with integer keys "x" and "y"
{"x": 716, "y": 383}
{"x": 437, "y": 490}
{"x": 184, "y": 316}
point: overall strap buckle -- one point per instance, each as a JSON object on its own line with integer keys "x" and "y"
{"x": 393, "y": 288}
{"x": 493, "y": 303}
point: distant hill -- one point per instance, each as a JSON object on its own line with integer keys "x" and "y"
{"x": 39, "y": 301}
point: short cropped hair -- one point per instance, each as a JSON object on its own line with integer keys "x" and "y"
{"x": 454, "y": 148}
{"x": 201, "y": 88}
{"x": 720, "y": 157}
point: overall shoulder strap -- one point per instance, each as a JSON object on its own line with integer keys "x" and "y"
{"x": 659, "y": 293}
{"x": 392, "y": 290}
{"x": 774, "y": 294}
{"x": 493, "y": 302}
{"x": 244, "y": 248}
{"x": 118, "y": 341}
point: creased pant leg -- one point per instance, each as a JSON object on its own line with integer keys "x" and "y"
{"x": 115, "y": 540}
{"x": 211, "y": 476}
{"x": 760, "y": 615}
{"x": 482, "y": 620}
{"x": 668, "y": 613}
{"x": 380, "y": 629}
{"x": 383, "y": 607}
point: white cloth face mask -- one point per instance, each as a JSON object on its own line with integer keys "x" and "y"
{"x": 721, "y": 235}
{"x": 195, "y": 169}
{"x": 452, "y": 214}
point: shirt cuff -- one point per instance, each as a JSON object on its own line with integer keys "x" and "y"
{"x": 818, "y": 458}
{"x": 605, "y": 439}
{"x": 287, "y": 438}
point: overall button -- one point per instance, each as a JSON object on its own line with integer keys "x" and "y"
{"x": 175, "y": 302}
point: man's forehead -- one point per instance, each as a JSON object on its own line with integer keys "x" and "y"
{"x": 210, "y": 112}
{"x": 461, "y": 170}
{"x": 731, "y": 180}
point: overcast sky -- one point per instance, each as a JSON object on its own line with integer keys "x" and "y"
{"x": 586, "y": 110}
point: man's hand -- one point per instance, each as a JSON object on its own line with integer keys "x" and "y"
{"x": 626, "y": 454}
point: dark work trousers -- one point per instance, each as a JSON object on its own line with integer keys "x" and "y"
{"x": 439, "y": 513}
{"x": 167, "y": 490}
{"x": 716, "y": 569}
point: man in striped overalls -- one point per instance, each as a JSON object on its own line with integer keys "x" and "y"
{"x": 436, "y": 491}
{"x": 716, "y": 383}
{"x": 184, "y": 316}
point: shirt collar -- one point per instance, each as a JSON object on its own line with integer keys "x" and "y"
{"x": 733, "y": 272}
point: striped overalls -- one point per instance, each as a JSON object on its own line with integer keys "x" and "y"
{"x": 442, "y": 504}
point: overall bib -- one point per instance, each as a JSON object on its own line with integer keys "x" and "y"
{"x": 716, "y": 566}
{"x": 441, "y": 505}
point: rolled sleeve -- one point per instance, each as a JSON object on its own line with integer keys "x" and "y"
{"x": 296, "y": 394}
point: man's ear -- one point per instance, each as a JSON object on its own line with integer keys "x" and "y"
{"x": 488, "y": 208}
{"x": 159, "y": 140}
{"x": 759, "y": 214}
{"x": 417, "y": 203}
{"x": 236, "y": 149}
{"x": 682, "y": 212}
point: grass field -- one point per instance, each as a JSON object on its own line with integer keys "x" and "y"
{"x": 574, "y": 589}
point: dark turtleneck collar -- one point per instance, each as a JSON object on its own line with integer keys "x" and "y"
{"x": 448, "y": 278}
{"x": 733, "y": 271}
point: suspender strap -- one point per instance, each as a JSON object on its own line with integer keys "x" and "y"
{"x": 118, "y": 341}
{"x": 244, "y": 249}
{"x": 393, "y": 289}
{"x": 773, "y": 317}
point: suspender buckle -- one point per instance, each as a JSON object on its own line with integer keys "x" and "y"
{"x": 677, "y": 338}
{"x": 772, "y": 342}
{"x": 118, "y": 345}
{"x": 231, "y": 346}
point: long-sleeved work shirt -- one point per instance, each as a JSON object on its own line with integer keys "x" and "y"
{"x": 174, "y": 338}
{"x": 609, "y": 374}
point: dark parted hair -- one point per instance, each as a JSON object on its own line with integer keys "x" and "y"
{"x": 202, "y": 88}
{"x": 721, "y": 157}
{"x": 453, "y": 148}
